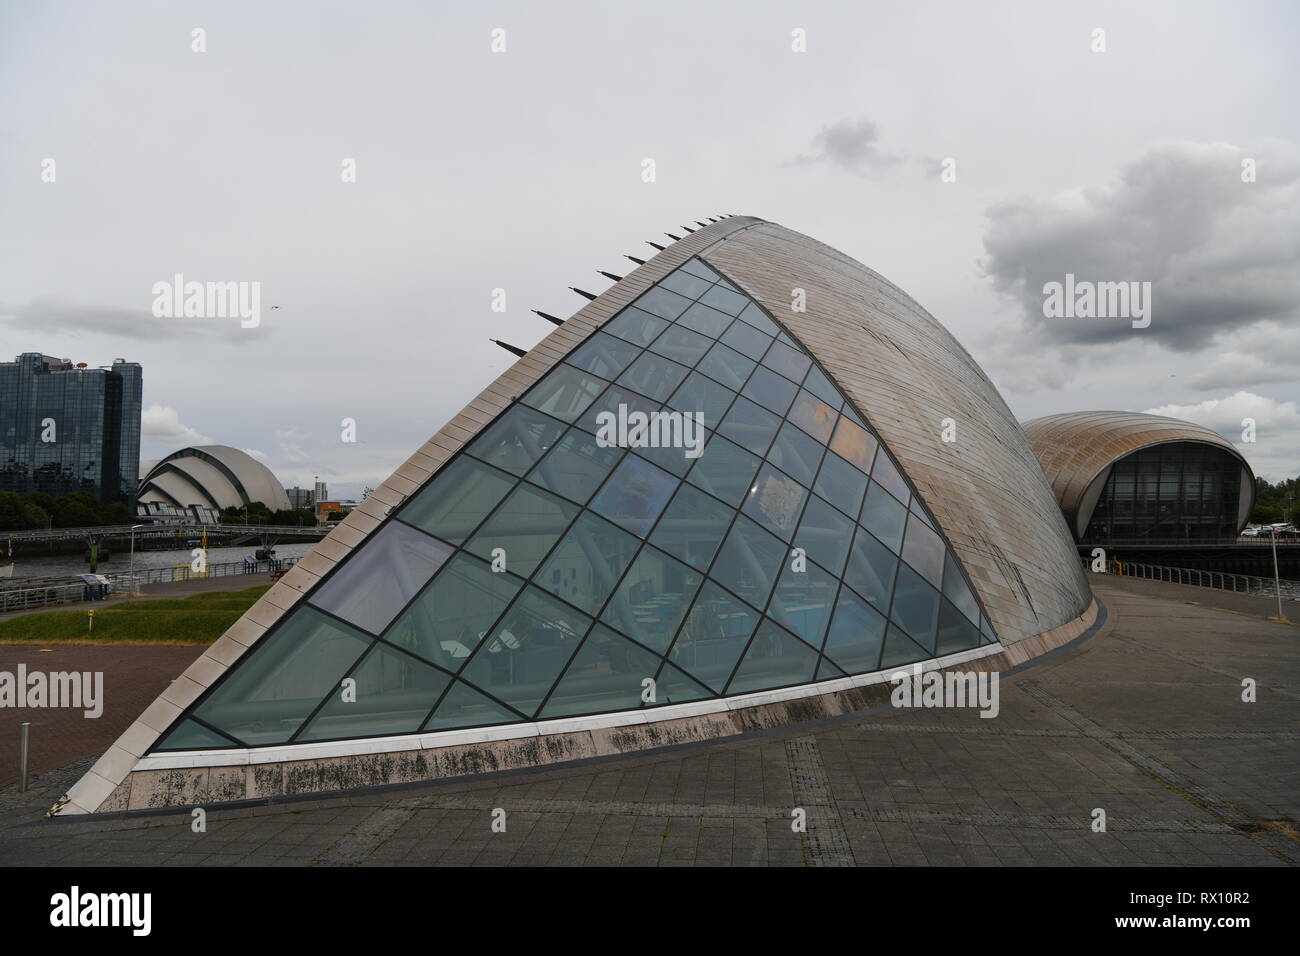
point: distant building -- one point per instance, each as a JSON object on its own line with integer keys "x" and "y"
{"x": 67, "y": 428}
{"x": 299, "y": 497}
{"x": 325, "y": 508}
{"x": 211, "y": 476}
{"x": 321, "y": 493}
{"x": 1126, "y": 477}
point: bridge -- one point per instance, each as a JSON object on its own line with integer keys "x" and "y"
{"x": 242, "y": 532}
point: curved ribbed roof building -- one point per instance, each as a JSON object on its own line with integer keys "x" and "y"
{"x": 211, "y": 476}
{"x": 739, "y": 488}
{"x": 1130, "y": 477}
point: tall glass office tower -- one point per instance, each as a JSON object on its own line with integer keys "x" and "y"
{"x": 66, "y": 428}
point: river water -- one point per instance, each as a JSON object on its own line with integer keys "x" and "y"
{"x": 65, "y": 565}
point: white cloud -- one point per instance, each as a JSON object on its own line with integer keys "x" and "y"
{"x": 162, "y": 423}
{"x": 1264, "y": 353}
{"x": 1275, "y": 453}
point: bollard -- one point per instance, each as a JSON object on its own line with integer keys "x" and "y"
{"x": 22, "y": 757}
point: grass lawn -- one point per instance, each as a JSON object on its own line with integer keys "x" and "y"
{"x": 199, "y": 619}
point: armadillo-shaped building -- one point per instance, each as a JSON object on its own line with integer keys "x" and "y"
{"x": 529, "y": 588}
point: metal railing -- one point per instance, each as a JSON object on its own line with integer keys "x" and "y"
{"x": 151, "y": 531}
{"x": 127, "y": 581}
{"x": 1219, "y": 580}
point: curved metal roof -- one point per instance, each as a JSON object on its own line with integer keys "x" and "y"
{"x": 909, "y": 375}
{"x": 212, "y": 476}
{"x": 1077, "y": 449}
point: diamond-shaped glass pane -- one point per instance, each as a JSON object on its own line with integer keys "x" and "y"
{"x": 518, "y": 662}
{"x": 565, "y": 393}
{"x": 854, "y": 638}
{"x": 587, "y": 562}
{"x": 776, "y": 502}
{"x": 449, "y": 619}
{"x": 457, "y": 500}
{"x": 692, "y": 527}
{"x": 724, "y": 470}
{"x": 603, "y": 355}
{"x": 803, "y": 602}
{"x": 281, "y": 681}
{"x": 377, "y": 580}
{"x": 516, "y": 440}
{"x": 635, "y": 494}
{"x": 390, "y": 693}
{"x": 635, "y": 326}
{"x": 775, "y": 658}
{"x": 749, "y": 562}
{"x": 713, "y": 636}
{"x": 652, "y": 599}
{"x": 606, "y": 674}
{"x": 575, "y": 466}
{"x": 523, "y": 528}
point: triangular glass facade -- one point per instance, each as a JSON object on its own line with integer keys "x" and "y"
{"x": 791, "y": 549}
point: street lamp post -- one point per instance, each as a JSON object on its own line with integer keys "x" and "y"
{"x": 1277, "y": 579}
{"x": 134, "y": 529}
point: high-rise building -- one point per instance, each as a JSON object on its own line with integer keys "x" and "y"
{"x": 67, "y": 428}
{"x": 299, "y": 497}
{"x": 321, "y": 493}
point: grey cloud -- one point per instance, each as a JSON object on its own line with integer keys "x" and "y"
{"x": 48, "y": 313}
{"x": 1220, "y": 254}
{"x": 850, "y": 144}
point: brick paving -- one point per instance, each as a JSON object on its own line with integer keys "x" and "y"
{"x": 1144, "y": 720}
{"x": 134, "y": 675}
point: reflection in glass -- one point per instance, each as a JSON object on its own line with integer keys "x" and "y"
{"x": 652, "y": 599}
{"x": 587, "y": 562}
{"x": 749, "y": 562}
{"x": 525, "y": 527}
{"x": 459, "y": 497}
{"x": 446, "y": 623}
{"x": 518, "y": 662}
{"x": 775, "y": 658}
{"x": 375, "y": 582}
{"x": 634, "y": 495}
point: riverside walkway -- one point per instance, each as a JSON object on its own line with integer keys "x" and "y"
{"x": 1143, "y": 718}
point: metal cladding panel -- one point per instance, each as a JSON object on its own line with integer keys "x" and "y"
{"x": 1074, "y": 448}
{"x": 907, "y": 374}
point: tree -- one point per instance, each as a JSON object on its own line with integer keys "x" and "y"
{"x": 20, "y": 513}
{"x": 1275, "y": 503}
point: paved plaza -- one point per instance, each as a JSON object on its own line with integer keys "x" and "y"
{"x": 1142, "y": 719}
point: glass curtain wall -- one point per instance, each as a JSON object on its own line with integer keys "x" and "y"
{"x": 560, "y": 566}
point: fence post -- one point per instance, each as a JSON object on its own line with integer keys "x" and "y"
{"x": 23, "y": 739}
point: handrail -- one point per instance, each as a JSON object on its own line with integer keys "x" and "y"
{"x": 1226, "y": 580}
{"x": 189, "y": 529}
{"x": 19, "y": 599}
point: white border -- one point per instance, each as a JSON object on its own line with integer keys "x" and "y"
{"x": 451, "y": 738}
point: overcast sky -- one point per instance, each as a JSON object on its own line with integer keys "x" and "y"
{"x": 522, "y": 170}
